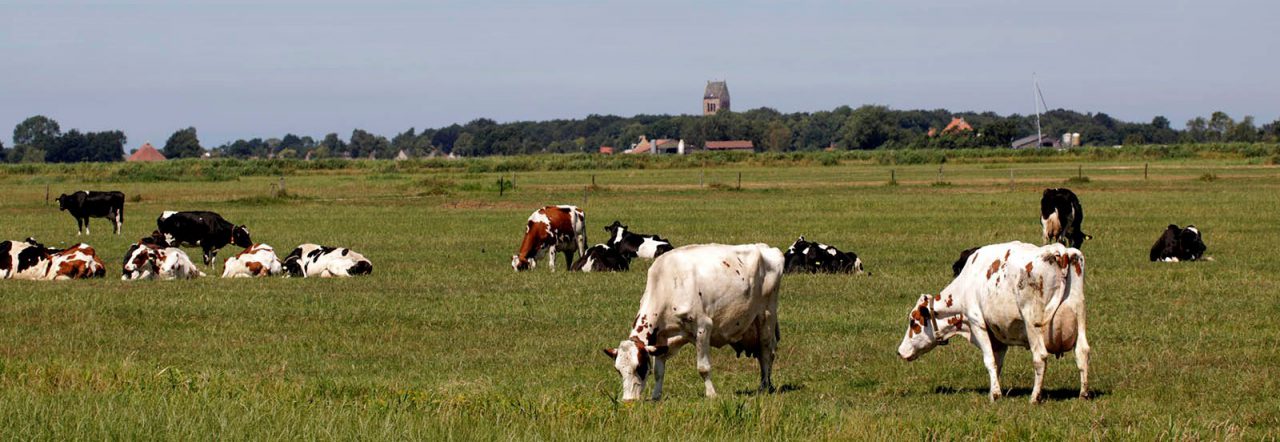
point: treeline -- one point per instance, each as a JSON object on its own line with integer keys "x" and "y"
{"x": 39, "y": 139}
{"x": 844, "y": 128}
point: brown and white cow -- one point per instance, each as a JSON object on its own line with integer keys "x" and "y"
{"x": 150, "y": 260}
{"x": 553, "y": 229}
{"x": 711, "y": 295}
{"x": 256, "y": 260}
{"x": 1011, "y": 294}
{"x": 33, "y": 261}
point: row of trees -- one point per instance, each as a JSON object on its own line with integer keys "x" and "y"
{"x": 40, "y": 139}
{"x": 867, "y": 127}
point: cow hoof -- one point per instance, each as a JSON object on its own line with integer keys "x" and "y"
{"x": 1085, "y": 395}
{"x": 994, "y": 397}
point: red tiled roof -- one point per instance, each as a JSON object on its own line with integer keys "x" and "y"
{"x": 957, "y": 125}
{"x": 730, "y": 145}
{"x": 146, "y": 153}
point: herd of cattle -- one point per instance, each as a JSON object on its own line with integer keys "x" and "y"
{"x": 712, "y": 295}
{"x": 159, "y": 256}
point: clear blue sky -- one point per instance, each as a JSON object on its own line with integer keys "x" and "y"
{"x": 265, "y": 68}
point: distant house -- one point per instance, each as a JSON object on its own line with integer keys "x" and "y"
{"x": 956, "y": 125}
{"x": 643, "y": 146}
{"x": 731, "y": 145}
{"x": 402, "y": 155}
{"x": 1030, "y": 141}
{"x": 715, "y": 98}
{"x": 661, "y": 145}
{"x": 607, "y": 150}
{"x": 146, "y": 153}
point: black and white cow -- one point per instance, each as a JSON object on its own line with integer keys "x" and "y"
{"x": 312, "y": 261}
{"x": 205, "y": 229}
{"x": 154, "y": 260}
{"x": 87, "y": 204}
{"x": 31, "y": 260}
{"x": 814, "y": 257}
{"x": 602, "y": 258}
{"x": 1061, "y": 215}
{"x": 1178, "y": 244}
{"x": 632, "y": 245}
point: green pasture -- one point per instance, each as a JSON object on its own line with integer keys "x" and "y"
{"x": 445, "y": 341}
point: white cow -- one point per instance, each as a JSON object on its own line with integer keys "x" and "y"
{"x": 711, "y": 295}
{"x": 1011, "y": 294}
{"x": 256, "y": 260}
{"x": 148, "y": 261}
{"x": 317, "y": 261}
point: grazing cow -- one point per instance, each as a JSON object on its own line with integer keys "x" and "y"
{"x": 601, "y": 258}
{"x": 957, "y": 266}
{"x": 311, "y": 260}
{"x": 633, "y": 245}
{"x": 814, "y": 257}
{"x": 554, "y": 229}
{"x": 1011, "y": 294}
{"x": 1061, "y": 215}
{"x": 1178, "y": 244}
{"x": 257, "y": 260}
{"x": 205, "y": 229}
{"x": 711, "y": 295}
{"x": 33, "y": 261}
{"x": 85, "y": 204}
{"x": 148, "y": 260}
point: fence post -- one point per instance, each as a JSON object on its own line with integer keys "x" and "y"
{"x": 893, "y": 176}
{"x": 739, "y": 180}
{"x": 46, "y": 194}
{"x": 593, "y": 180}
{"x": 1010, "y": 178}
{"x": 1145, "y": 166}
{"x": 702, "y": 175}
{"x": 939, "y": 173}
{"x": 283, "y": 191}
{"x": 1080, "y": 172}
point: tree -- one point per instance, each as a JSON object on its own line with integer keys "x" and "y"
{"x": 777, "y": 137}
{"x": 39, "y": 131}
{"x": 364, "y": 144}
{"x": 1160, "y": 122}
{"x": 331, "y": 145}
{"x": 1, "y": 151}
{"x": 868, "y": 127}
{"x": 464, "y": 145}
{"x": 183, "y": 144}
{"x": 1219, "y": 124}
{"x": 1244, "y": 131}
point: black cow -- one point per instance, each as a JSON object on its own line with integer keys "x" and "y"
{"x": 957, "y": 266}
{"x": 205, "y": 229}
{"x": 602, "y": 258}
{"x": 1061, "y": 215}
{"x": 1178, "y": 244}
{"x": 815, "y": 257}
{"x": 85, "y": 204}
{"x": 632, "y": 245}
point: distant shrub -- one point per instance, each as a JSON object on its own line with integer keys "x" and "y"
{"x": 1078, "y": 180}
{"x": 1208, "y": 177}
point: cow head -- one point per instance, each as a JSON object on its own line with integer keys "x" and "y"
{"x": 140, "y": 258}
{"x": 63, "y": 201}
{"x": 632, "y": 359}
{"x": 926, "y": 329}
{"x": 240, "y": 237}
{"x": 794, "y": 259}
{"x": 1191, "y": 242}
{"x": 521, "y": 265}
{"x": 615, "y": 232}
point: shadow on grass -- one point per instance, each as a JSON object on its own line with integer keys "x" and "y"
{"x": 1047, "y": 394}
{"x": 785, "y": 388}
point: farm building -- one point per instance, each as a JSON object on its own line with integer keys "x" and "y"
{"x": 146, "y": 153}
{"x": 1030, "y": 141}
{"x": 731, "y": 145}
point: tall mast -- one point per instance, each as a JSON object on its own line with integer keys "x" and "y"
{"x": 1037, "y": 99}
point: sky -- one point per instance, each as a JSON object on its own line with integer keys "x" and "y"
{"x": 245, "y": 69}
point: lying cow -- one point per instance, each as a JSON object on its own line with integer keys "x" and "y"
{"x": 316, "y": 261}
{"x": 87, "y": 204}
{"x": 553, "y": 229}
{"x": 633, "y": 245}
{"x": 205, "y": 229}
{"x": 1011, "y": 294}
{"x": 33, "y": 261}
{"x": 814, "y": 257}
{"x": 1178, "y": 244}
{"x": 257, "y": 260}
{"x": 1061, "y": 216}
{"x": 711, "y": 295}
{"x": 147, "y": 260}
{"x": 602, "y": 258}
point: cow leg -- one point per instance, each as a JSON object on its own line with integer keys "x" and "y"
{"x": 1082, "y": 355}
{"x": 568, "y": 259}
{"x": 998, "y": 349}
{"x": 768, "y": 346}
{"x": 703, "y": 345}
{"x": 980, "y": 338}
{"x": 551, "y": 258}
{"x": 86, "y": 226}
{"x": 209, "y": 255}
{"x": 117, "y": 221}
{"x": 659, "y": 372}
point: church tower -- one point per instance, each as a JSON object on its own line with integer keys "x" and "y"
{"x": 716, "y": 98}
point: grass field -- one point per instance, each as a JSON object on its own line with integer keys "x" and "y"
{"x": 445, "y": 341}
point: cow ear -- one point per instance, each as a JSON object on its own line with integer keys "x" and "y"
{"x": 612, "y": 353}
{"x": 656, "y": 350}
